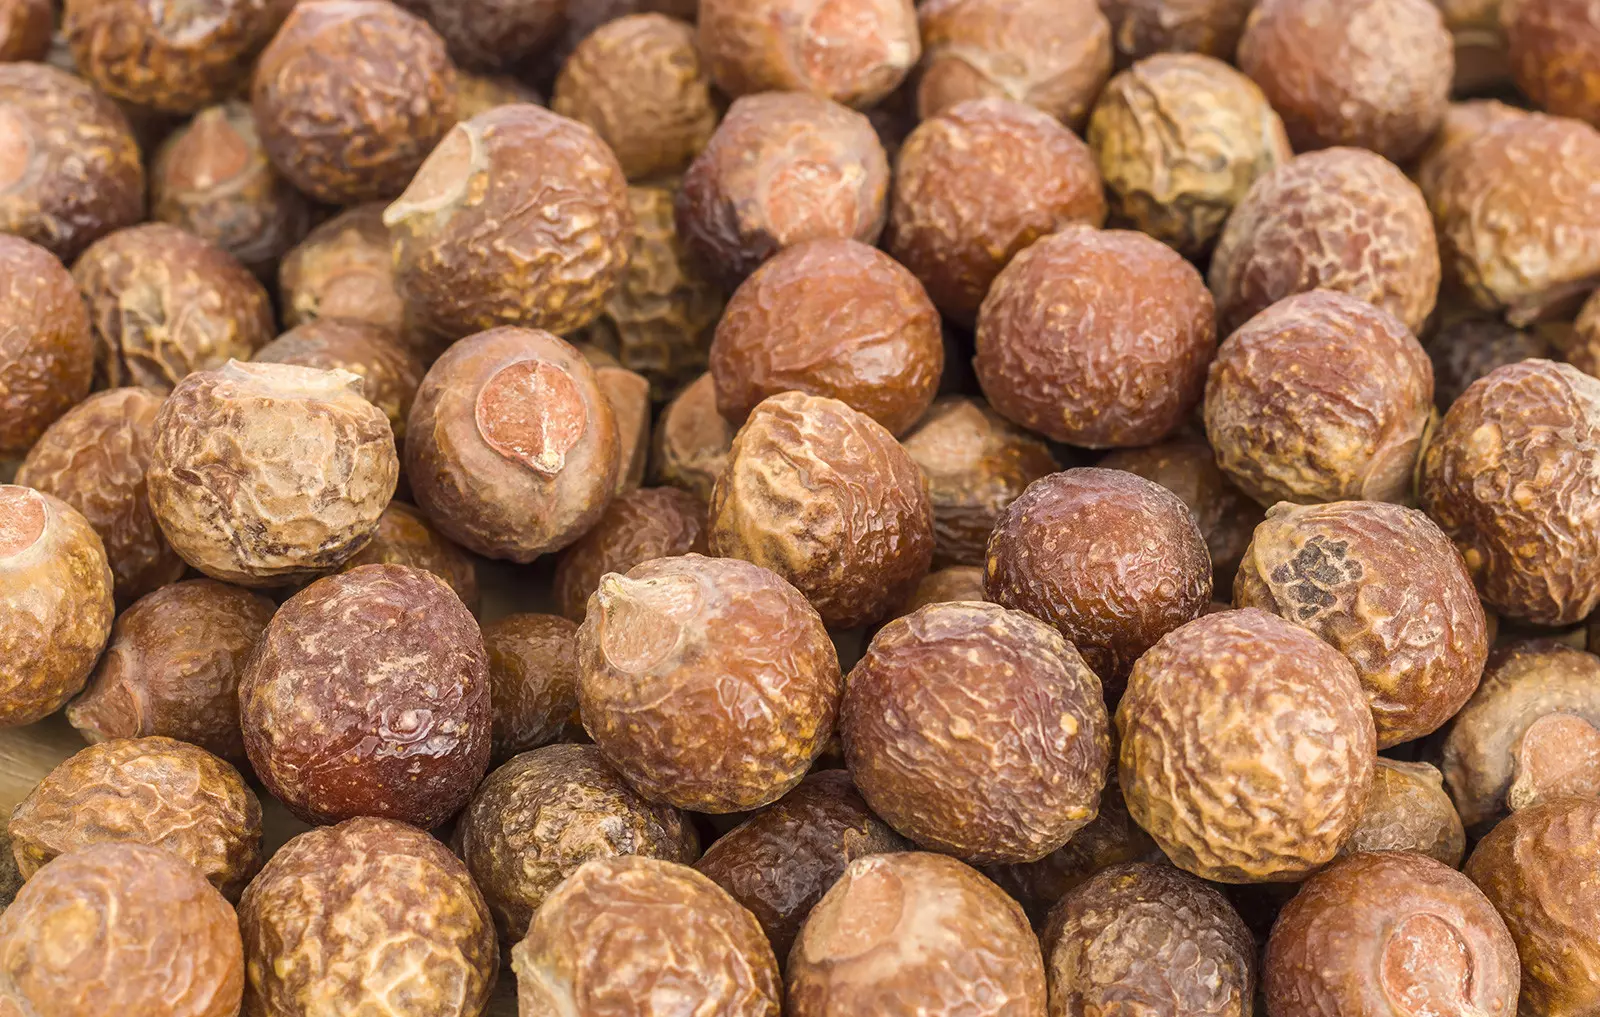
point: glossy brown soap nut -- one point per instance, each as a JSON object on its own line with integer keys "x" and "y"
{"x": 1097, "y": 338}
{"x": 1508, "y": 476}
{"x": 628, "y": 395}
{"x": 25, "y": 29}
{"x": 1482, "y": 63}
{"x": 1142, "y": 28}
{"x": 826, "y": 498}
{"x": 46, "y": 347}
{"x": 1247, "y": 748}
{"x": 1110, "y": 559}
{"x": 945, "y": 586}
{"x": 120, "y": 928}
{"x": 1462, "y": 122}
{"x": 1393, "y": 933}
{"x": 480, "y": 93}
{"x": 1581, "y": 347}
{"x": 1551, "y": 44}
{"x": 10, "y": 879}
{"x": 329, "y": 740}
{"x": 1409, "y": 811}
{"x": 364, "y": 917}
{"x": 639, "y": 526}
{"x": 405, "y": 537}
{"x": 389, "y": 372}
{"x": 976, "y": 731}
{"x": 495, "y": 33}
{"x": 533, "y": 680}
{"x": 55, "y": 603}
{"x": 979, "y": 182}
{"x": 1321, "y": 397}
{"x": 1179, "y": 139}
{"x": 782, "y": 167}
{"x": 1466, "y": 350}
{"x": 692, "y": 441}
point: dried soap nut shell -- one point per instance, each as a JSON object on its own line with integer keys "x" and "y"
{"x": 533, "y": 680}
{"x": 946, "y": 586}
{"x": 1462, "y": 122}
{"x": 1409, "y": 810}
{"x": 405, "y": 537}
{"x": 692, "y": 441}
{"x": 389, "y": 373}
{"x": 1464, "y": 351}
{"x": 46, "y": 348}
{"x": 1549, "y": 43}
{"x": 637, "y": 527}
{"x": 25, "y": 29}
{"x": 495, "y": 33}
{"x": 1142, "y": 28}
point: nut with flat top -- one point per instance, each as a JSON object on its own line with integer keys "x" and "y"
{"x": 1409, "y": 811}
{"x": 533, "y": 680}
{"x": 46, "y": 347}
{"x": 405, "y": 537}
{"x": 640, "y": 526}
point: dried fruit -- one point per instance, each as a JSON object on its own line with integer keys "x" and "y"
{"x": 945, "y": 586}
{"x": 405, "y": 537}
{"x": 533, "y": 680}
{"x": 628, "y": 395}
{"x": 480, "y": 93}
{"x": 1142, "y": 28}
{"x": 1551, "y": 44}
{"x": 640, "y": 526}
{"x": 25, "y": 28}
{"x": 692, "y": 440}
{"x": 1409, "y": 811}
{"x": 495, "y": 33}
{"x": 1462, "y": 122}
{"x": 46, "y": 348}
{"x": 1466, "y": 350}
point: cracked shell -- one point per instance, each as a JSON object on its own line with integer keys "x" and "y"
{"x": 46, "y": 347}
{"x": 533, "y": 680}
{"x": 692, "y": 441}
{"x": 639, "y": 526}
{"x": 1142, "y": 28}
{"x": 1409, "y": 811}
{"x": 1464, "y": 351}
{"x": 1553, "y": 46}
{"x": 495, "y": 34}
{"x": 25, "y": 29}
{"x": 405, "y": 537}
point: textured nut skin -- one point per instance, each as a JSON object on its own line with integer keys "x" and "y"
{"x": 1466, "y": 350}
{"x": 1341, "y": 219}
{"x": 1150, "y": 938}
{"x": 709, "y": 683}
{"x": 1110, "y": 559}
{"x": 1142, "y": 28}
{"x": 494, "y": 33}
{"x": 533, "y": 680}
{"x": 1409, "y": 811}
{"x": 172, "y": 668}
{"x": 165, "y": 303}
{"x": 25, "y": 28}
{"x": 480, "y": 93}
{"x": 914, "y": 933}
{"x": 1179, "y": 139}
{"x": 405, "y": 537}
{"x": 976, "y": 731}
{"x": 514, "y": 504}
{"x": 640, "y": 526}
{"x": 1097, "y": 338}
{"x": 369, "y": 917}
{"x": 389, "y": 372}
{"x": 1581, "y": 348}
{"x": 1389, "y": 933}
{"x": 977, "y": 183}
{"x": 833, "y": 318}
{"x": 154, "y": 791}
{"x": 120, "y": 928}
{"x": 1385, "y": 587}
{"x": 1246, "y": 748}
{"x": 629, "y": 397}
{"x": 1482, "y": 62}
{"x": 638, "y": 81}
{"x": 1052, "y": 54}
{"x": 1534, "y": 551}
{"x": 1553, "y": 44}
{"x": 10, "y": 879}
{"x": 692, "y": 441}
{"x": 55, "y": 603}
{"x": 1462, "y": 122}
{"x": 827, "y": 499}
{"x": 1321, "y": 397}
{"x": 782, "y": 167}
{"x": 519, "y": 217}
{"x": 368, "y": 694}
{"x": 46, "y": 348}
{"x": 350, "y": 96}
{"x": 72, "y": 172}
{"x": 944, "y": 586}
{"x": 534, "y": 821}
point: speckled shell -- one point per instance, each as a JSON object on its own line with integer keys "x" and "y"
{"x": 533, "y": 680}
{"x": 827, "y": 499}
{"x": 172, "y": 668}
{"x": 1462, "y": 122}
{"x": 1141, "y": 28}
{"x": 368, "y": 695}
{"x": 944, "y": 586}
{"x": 1534, "y": 551}
{"x": 902, "y": 935}
{"x": 692, "y": 441}
{"x": 123, "y": 929}
{"x": 495, "y": 33}
{"x": 1321, "y": 397}
{"x": 389, "y": 372}
{"x": 1342, "y": 220}
{"x": 1581, "y": 346}
{"x": 350, "y": 96}
{"x": 46, "y": 347}
{"x": 1097, "y": 338}
{"x": 1553, "y": 47}
{"x": 1409, "y": 811}
{"x": 480, "y": 93}
{"x": 979, "y": 182}
{"x": 25, "y": 27}
{"x": 405, "y": 537}
{"x": 637, "y": 527}
{"x": 55, "y": 603}
{"x": 1110, "y": 559}
{"x": 1464, "y": 351}
{"x": 72, "y": 171}
{"x": 367, "y": 917}
{"x": 1246, "y": 748}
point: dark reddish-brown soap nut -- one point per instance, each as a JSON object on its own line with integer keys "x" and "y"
{"x": 1141, "y": 28}
{"x": 692, "y": 441}
{"x": 368, "y": 695}
{"x": 833, "y": 318}
{"x": 1152, "y": 933}
{"x": 1343, "y": 219}
{"x": 826, "y": 498}
{"x": 46, "y": 346}
{"x": 480, "y": 93}
{"x": 1507, "y": 476}
{"x": 901, "y": 935}
{"x": 709, "y": 683}
{"x": 121, "y": 928}
{"x": 365, "y": 917}
{"x": 1321, "y": 397}
{"x": 979, "y": 182}
{"x": 1097, "y": 338}
{"x": 1580, "y": 347}
{"x": 1462, "y": 122}
{"x": 156, "y": 791}
{"x": 165, "y": 303}
{"x": 945, "y": 586}
{"x": 1246, "y": 748}
{"x": 1112, "y": 560}
{"x": 351, "y": 96}
{"x": 72, "y": 171}
{"x": 1384, "y": 586}
{"x": 55, "y": 603}
{"x": 628, "y": 394}
{"x": 534, "y": 821}
{"x": 495, "y": 34}
{"x": 782, "y": 167}
{"x": 1552, "y": 45}
{"x": 976, "y": 731}
{"x": 405, "y": 537}
{"x": 25, "y": 29}
{"x": 1390, "y": 933}
{"x": 512, "y": 449}
{"x": 533, "y": 680}
{"x": 639, "y": 526}
{"x": 1409, "y": 810}
{"x": 1466, "y": 350}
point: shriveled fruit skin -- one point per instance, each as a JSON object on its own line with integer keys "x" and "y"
{"x": 390, "y": 374}
{"x": 533, "y": 680}
{"x": 1467, "y": 350}
{"x": 25, "y": 29}
{"x": 628, "y": 394}
{"x": 692, "y": 441}
{"x": 492, "y": 34}
{"x": 639, "y": 526}
{"x": 480, "y": 93}
{"x": 405, "y": 537}
{"x": 46, "y": 347}
{"x": 1511, "y": 475}
{"x": 1551, "y": 43}
{"x": 1409, "y": 811}
{"x": 943, "y": 586}
{"x": 1141, "y": 28}
{"x": 1462, "y": 122}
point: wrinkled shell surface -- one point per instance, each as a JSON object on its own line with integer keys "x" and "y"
{"x": 495, "y": 33}
{"x": 389, "y": 373}
{"x": 1141, "y": 28}
{"x": 1553, "y": 47}
{"x": 25, "y": 27}
{"x": 405, "y": 537}
{"x": 692, "y": 441}
{"x": 944, "y": 586}
{"x": 46, "y": 347}
{"x": 1467, "y": 350}
{"x": 629, "y": 396}
{"x": 640, "y": 526}
{"x": 533, "y": 680}
{"x": 1462, "y": 122}
{"x": 1409, "y": 811}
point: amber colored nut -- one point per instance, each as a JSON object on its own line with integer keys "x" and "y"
{"x": 946, "y": 586}
{"x": 628, "y": 395}
{"x": 55, "y": 603}
{"x": 533, "y": 680}
{"x": 46, "y": 347}
{"x": 10, "y": 878}
{"x": 1110, "y": 559}
{"x": 826, "y": 498}
{"x": 1409, "y": 810}
{"x": 494, "y": 34}
{"x": 1124, "y": 367}
{"x": 1462, "y": 122}
{"x": 639, "y": 526}
{"x": 782, "y": 167}
{"x": 25, "y": 29}
{"x": 124, "y": 929}
{"x": 1581, "y": 347}
{"x": 1142, "y": 28}
{"x": 480, "y": 93}
{"x": 351, "y": 96}
{"x": 692, "y": 441}
{"x": 389, "y": 372}
{"x": 1553, "y": 47}
{"x": 405, "y": 537}
{"x": 366, "y": 917}
{"x": 1466, "y": 350}
{"x": 1247, "y": 748}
